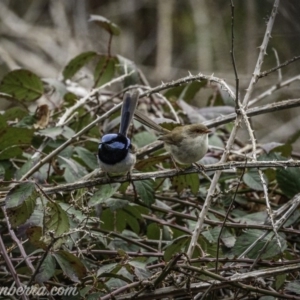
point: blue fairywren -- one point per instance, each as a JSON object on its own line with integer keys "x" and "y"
{"x": 116, "y": 154}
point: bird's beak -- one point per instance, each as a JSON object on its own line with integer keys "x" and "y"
{"x": 208, "y": 131}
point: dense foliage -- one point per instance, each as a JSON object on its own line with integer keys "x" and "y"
{"x": 64, "y": 223}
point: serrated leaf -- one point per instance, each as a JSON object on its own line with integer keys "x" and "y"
{"x": 77, "y": 63}
{"x": 250, "y": 236}
{"x": 176, "y": 246}
{"x": 182, "y": 182}
{"x": 289, "y": 181}
{"x": 56, "y": 219}
{"x": 87, "y": 157}
{"x": 252, "y": 180}
{"x": 105, "y": 70}
{"x": 106, "y": 24}
{"x": 46, "y": 270}
{"x": 104, "y": 192}
{"x": 22, "y": 85}
{"x": 12, "y": 139}
{"x": 19, "y": 194}
{"x": 144, "y": 189}
{"x": 15, "y": 113}
{"x": 71, "y": 265}
{"x": 20, "y": 203}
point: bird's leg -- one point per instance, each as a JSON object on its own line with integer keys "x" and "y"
{"x": 200, "y": 167}
{"x": 175, "y": 165}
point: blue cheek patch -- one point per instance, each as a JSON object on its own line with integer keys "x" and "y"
{"x": 112, "y": 140}
{"x": 108, "y": 137}
{"x": 117, "y": 145}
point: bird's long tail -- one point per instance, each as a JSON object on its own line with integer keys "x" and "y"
{"x": 139, "y": 116}
{"x": 128, "y": 108}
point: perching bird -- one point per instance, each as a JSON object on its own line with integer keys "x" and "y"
{"x": 187, "y": 144}
{"x": 115, "y": 152}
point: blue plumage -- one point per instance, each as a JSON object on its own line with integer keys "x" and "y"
{"x": 115, "y": 150}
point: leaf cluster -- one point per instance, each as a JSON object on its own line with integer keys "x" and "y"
{"x": 135, "y": 235}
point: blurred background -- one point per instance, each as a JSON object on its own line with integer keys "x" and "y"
{"x": 166, "y": 39}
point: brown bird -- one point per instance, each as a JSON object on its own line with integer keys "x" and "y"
{"x": 187, "y": 144}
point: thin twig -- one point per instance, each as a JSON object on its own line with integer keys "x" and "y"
{"x": 274, "y": 88}
{"x": 266, "y": 73}
{"x": 210, "y": 193}
{"x": 11, "y": 267}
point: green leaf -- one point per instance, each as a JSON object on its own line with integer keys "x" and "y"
{"x": 174, "y": 92}
{"x": 105, "y": 70}
{"x": 15, "y": 113}
{"x": 71, "y": 265}
{"x": 252, "y": 180}
{"x": 130, "y": 220}
{"x": 182, "y": 182}
{"x": 56, "y": 219}
{"x": 191, "y": 89}
{"x": 193, "y": 182}
{"x": 51, "y": 132}
{"x": 46, "y": 270}
{"x": 115, "y": 204}
{"x": 19, "y": 194}
{"x": 77, "y": 63}
{"x": 153, "y": 231}
{"x": 109, "y": 268}
{"x": 227, "y": 238}
{"x": 283, "y": 149}
{"x": 20, "y": 202}
{"x": 2, "y": 172}
{"x": 104, "y": 192}
{"x": 143, "y": 138}
{"x": 112, "y": 220}
{"x": 145, "y": 190}
{"x": 176, "y": 246}
{"x": 289, "y": 181}
{"x": 106, "y": 24}
{"x": 22, "y": 85}
{"x": 247, "y": 238}
{"x": 127, "y": 66}
{"x": 293, "y": 286}
{"x": 280, "y": 279}
{"x": 87, "y": 157}
{"x": 34, "y": 235}
{"x": 73, "y": 170}
{"x": 140, "y": 269}
{"x": 12, "y": 139}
